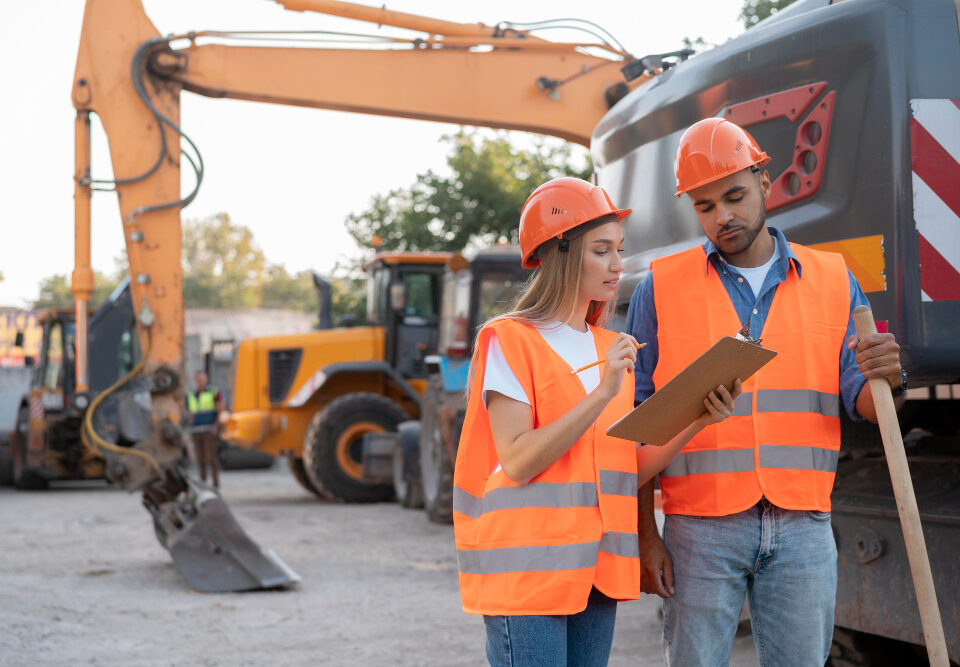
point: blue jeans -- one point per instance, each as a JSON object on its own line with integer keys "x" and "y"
{"x": 783, "y": 561}
{"x": 582, "y": 639}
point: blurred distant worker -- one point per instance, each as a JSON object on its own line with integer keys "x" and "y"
{"x": 747, "y": 503}
{"x": 545, "y": 505}
{"x": 205, "y": 405}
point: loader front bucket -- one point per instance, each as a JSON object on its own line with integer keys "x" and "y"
{"x": 210, "y": 549}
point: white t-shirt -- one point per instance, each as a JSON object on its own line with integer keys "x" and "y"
{"x": 756, "y": 275}
{"x": 576, "y": 348}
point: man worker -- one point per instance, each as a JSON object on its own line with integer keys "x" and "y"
{"x": 205, "y": 404}
{"x": 747, "y": 502}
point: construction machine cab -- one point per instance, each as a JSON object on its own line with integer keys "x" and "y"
{"x": 47, "y": 437}
{"x": 475, "y": 291}
{"x": 403, "y": 296}
{"x": 419, "y": 459}
{"x": 53, "y": 370}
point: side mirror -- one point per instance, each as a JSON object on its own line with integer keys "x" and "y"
{"x": 29, "y": 360}
{"x": 18, "y": 339}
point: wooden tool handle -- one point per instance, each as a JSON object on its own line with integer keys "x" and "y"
{"x": 906, "y": 504}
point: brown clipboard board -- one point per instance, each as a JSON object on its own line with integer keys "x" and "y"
{"x": 674, "y": 407}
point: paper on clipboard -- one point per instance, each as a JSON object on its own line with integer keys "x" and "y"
{"x": 674, "y": 407}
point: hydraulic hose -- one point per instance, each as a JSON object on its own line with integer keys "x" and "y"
{"x": 88, "y": 432}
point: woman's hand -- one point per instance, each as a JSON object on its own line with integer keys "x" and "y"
{"x": 719, "y": 404}
{"x": 621, "y": 359}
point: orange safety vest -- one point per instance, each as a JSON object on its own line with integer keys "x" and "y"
{"x": 539, "y": 548}
{"x": 783, "y": 439}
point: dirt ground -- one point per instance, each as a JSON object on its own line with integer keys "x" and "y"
{"x": 83, "y": 581}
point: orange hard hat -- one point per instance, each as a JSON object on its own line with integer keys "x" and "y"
{"x": 712, "y": 149}
{"x": 560, "y": 209}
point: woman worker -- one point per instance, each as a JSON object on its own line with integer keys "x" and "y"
{"x": 545, "y": 503}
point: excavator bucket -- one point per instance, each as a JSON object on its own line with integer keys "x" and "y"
{"x": 210, "y": 549}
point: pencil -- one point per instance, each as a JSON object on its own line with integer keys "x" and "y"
{"x": 597, "y": 363}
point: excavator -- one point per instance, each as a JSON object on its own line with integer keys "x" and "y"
{"x": 131, "y": 77}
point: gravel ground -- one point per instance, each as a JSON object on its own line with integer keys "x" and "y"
{"x": 83, "y": 581}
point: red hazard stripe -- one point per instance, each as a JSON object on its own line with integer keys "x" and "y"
{"x": 935, "y": 166}
{"x": 956, "y": 103}
{"x": 938, "y": 278}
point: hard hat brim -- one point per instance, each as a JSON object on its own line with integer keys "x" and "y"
{"x": 763, "y": 161}
{"x": 532, "y": 261}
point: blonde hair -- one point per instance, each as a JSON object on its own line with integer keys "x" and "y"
{"x": 550, "y": 295}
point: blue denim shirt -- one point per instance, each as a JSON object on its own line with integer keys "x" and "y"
{"x": 642, "y": 317}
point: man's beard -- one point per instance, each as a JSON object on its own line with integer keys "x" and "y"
{"x": 750, "y": 232}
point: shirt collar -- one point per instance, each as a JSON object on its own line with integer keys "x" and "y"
{"x": 786, "y": 253}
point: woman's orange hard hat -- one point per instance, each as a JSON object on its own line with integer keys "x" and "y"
{"x": 558, "y": 207}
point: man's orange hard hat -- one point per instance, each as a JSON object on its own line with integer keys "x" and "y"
{"x": 561, "y": 209}
{"x": 712, "y": 149}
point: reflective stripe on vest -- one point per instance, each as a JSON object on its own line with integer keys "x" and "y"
{"x": 571, "y": 494}
{"x": 741, "y": 460}
{"x": 546, "y": 558}
{"x": 617, "y": 483}
{"x": 783, "y": 438}
{"x": 788, "y": 400}
{"x": 798, "y": 400}
{"x": 539, "y": 548}
{"x": 621, "y": 544}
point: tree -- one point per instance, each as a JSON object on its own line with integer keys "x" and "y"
{"x": 222, "y": 266}
{"x": 698, "y": 44}
{"x": 280, "y": 289}
{"x": 479, "y": 202}
{"x": 754, "y": 11}
{"x": 54, "y": 291}
{"x": 348, "y": 297}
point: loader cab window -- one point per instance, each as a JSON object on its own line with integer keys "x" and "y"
{"x": 378, "y": 286}
{"x": 413, "y": 303}
{"x": 454, "y": 336}
{"x": 53, "y": 357}
{"x": 419, "y": 298}
{"x": 69, "y": 357}
{"x": 497, "y": 293}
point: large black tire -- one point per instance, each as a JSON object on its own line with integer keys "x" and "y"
{"x": 409, "y": 493}
{"x": 436, "y": 469}
{"x": 332, "y": 447}
{"x": 23, "y": 478}
{"x": 6, "y": 463}
{"x": 300, "y": 474}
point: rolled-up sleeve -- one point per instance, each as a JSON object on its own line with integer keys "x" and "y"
{"x": 851, "y": 380}
{"x": 642, "y": 325}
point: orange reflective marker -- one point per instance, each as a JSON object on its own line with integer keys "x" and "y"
{"x": 597, "y": 363}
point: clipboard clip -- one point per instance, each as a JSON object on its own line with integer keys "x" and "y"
{"x": 744, "y": 335}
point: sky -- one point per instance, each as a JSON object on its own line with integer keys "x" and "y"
{"x": 291, "y": 175}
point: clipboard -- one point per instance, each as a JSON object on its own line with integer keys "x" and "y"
{"x": 679, "y": 402}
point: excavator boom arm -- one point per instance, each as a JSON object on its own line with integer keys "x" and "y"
{"x": 497, "y": 88}
{"x": 131, "y": 78}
